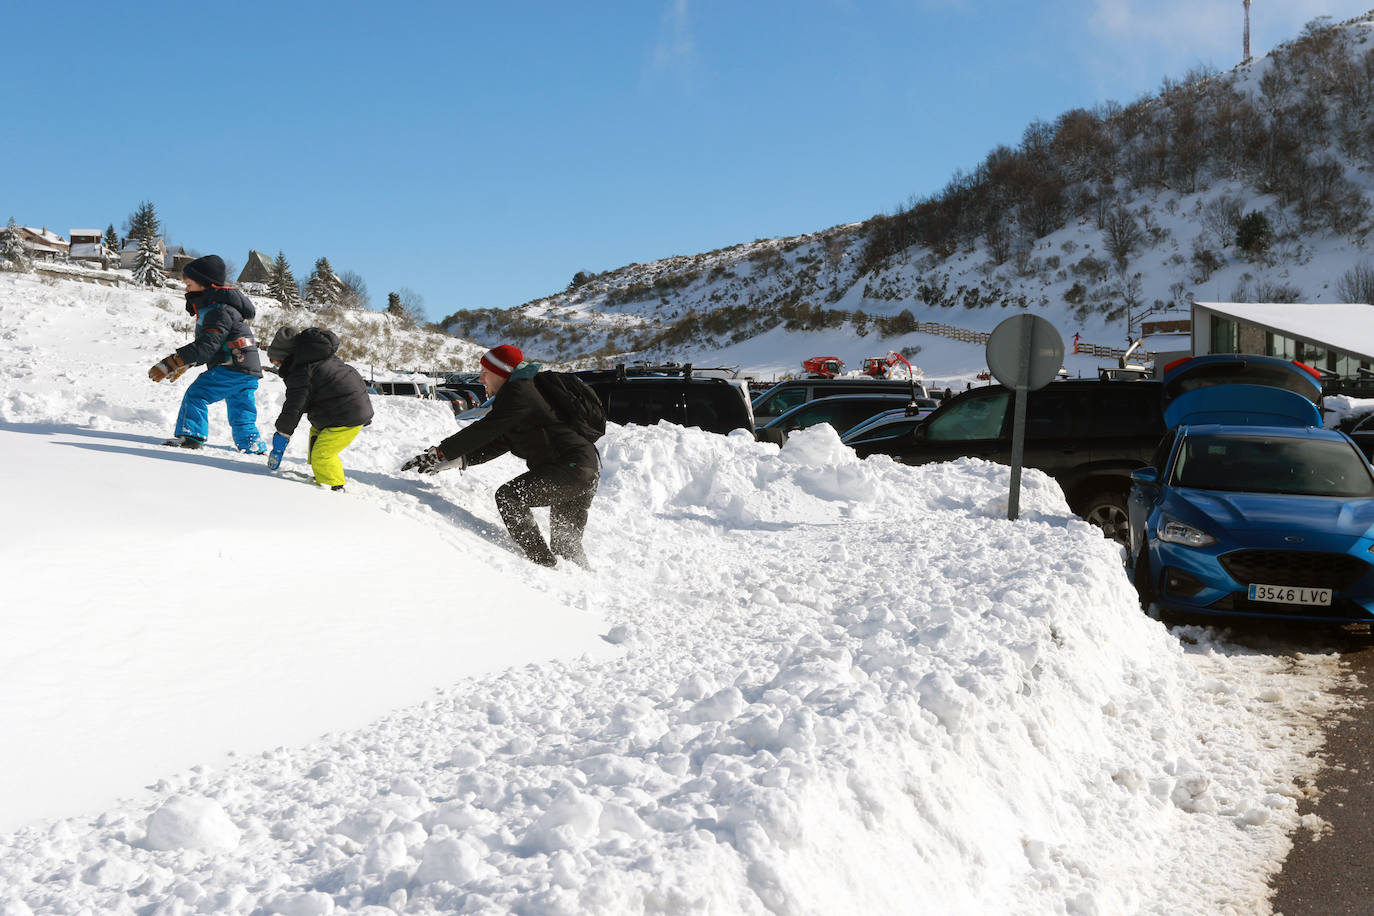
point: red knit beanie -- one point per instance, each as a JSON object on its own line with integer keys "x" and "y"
{"x": 502, "y": 360}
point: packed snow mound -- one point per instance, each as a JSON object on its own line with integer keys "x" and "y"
{"x": 836, "y": 686}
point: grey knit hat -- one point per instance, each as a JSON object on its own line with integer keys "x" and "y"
{"x": 283, "y": 343}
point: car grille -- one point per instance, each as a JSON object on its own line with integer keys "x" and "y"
{"x": 1309, "y": 569}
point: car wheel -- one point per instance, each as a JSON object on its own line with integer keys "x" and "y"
{"x": 1107, "y": 510}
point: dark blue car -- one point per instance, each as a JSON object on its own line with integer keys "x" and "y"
{"x": 1251, "y": 508}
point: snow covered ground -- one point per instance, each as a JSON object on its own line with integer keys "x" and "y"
{"x": 793, "y": 683}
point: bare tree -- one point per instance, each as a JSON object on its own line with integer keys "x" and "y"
{"x": 1220, "y": 216}
{"x": 354, "y": 294}
{"x": 1122, "y": 236}
{"x": 411, "y": 306}
{"x": 1357, "y": 284}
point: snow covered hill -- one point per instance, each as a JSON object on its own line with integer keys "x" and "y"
{"x": 1096, "y": 222}
{"x": 793, "y": 683}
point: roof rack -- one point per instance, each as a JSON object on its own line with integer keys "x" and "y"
{"x": 682, "y": 370}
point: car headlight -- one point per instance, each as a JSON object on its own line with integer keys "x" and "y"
{"x": 1172, "y": 531}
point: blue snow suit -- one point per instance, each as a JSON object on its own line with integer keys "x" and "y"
{"x": 225, "y": 344}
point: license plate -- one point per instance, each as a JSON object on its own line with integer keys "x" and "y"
{"x": 1290, "y": 594}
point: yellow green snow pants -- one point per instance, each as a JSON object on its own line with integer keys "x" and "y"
{"x": 325, "y": 445}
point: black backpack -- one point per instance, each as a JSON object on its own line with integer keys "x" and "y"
{"x": 573, "y": 402}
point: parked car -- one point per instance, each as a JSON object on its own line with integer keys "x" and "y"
{"x": 789, "y": 393}
{"x": 841, "y": 411}
{"x": 1089, "y": 434}
{"x": 717, "y": 405}
{"x": 402, "y": 389}
{"x": 458, "y": 399}
{"x": 1250, "y": 509}
{"x": 1362, "y": 433}
{"x": 890, "y": 424}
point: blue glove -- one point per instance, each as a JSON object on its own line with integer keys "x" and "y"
{"x": 278, "y": 449}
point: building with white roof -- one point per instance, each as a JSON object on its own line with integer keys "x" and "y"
{"x": 1335, "y": 337}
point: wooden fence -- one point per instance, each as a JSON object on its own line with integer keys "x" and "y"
{"x": 99, "y": 277}
{"x": 981, "y": 337}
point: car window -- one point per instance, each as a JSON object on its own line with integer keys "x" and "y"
{"x": 886, "y": 431}
{"x": 644, "y": 405}
{"x": 971, "y": 418}
{"x": 781, "y": 402}
{"x": 1126, "y": 410}
{"x": 714, "y": 408}
{"x": 1058, "y": 413}
{"x": 1254, "y": 464}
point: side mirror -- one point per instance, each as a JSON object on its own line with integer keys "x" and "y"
{"x": 919, "y": 434}
{"x": 1147, "y": 476}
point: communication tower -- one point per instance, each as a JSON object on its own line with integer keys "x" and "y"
{"x": 1246, "y": 58}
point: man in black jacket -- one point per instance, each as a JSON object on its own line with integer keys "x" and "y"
{"x": 326, "y": 388}
{"x": 564, "y": 468}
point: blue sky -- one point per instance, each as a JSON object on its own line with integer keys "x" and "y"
{"x": 482, "y": 153}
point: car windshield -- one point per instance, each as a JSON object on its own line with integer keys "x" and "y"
{"x": 878, "y": 431}
{"x": 1255, "y": 464}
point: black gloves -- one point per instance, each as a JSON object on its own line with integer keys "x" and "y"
{"x": 427, "y": 462}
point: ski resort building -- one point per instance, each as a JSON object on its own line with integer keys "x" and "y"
{"x": 1334, "y": 337}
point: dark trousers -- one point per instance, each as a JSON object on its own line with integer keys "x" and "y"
{"x": 567, "y": 490}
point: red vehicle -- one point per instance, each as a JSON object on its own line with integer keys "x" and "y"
{"x": 823, "y": 366}
{"x": 893, "y": 365}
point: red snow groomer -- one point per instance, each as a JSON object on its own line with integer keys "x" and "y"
{"x": 822, "y": 366}
{"x": 893, "y": 365}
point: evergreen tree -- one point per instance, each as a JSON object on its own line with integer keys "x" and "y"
{"x": 149, "y": 267}
{"x": 323, "y": 286}
{"x": 282, "y": 283}
{"x": 111, "y": 238}
{"x": 406, "y": 306}
{"x": 13, "y": 255}
{"x": 144, "y": 222}
{"x": 1253, "y": 233}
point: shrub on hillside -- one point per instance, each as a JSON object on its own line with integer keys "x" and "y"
{"x": 1205, "y": 261}
{"x": 1357, "y": 284}
{"x": 1254, "y": 234}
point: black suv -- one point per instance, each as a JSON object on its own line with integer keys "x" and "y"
{"x": 1087, "y": 434}
{"x": 787, "y": 394}
{"x": 644, "y": 396}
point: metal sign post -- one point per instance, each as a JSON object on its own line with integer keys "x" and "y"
{"x": 1024, "y": 353}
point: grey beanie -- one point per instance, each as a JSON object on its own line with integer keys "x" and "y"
{"x": 283, "y": 343}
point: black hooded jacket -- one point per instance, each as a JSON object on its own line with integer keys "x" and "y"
{"x": 522, "y": 422}
{"x": 321, "y": 385}
{"x": 223, "y": 337}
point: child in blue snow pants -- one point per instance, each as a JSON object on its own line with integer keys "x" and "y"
{"x": 237, "y": 390}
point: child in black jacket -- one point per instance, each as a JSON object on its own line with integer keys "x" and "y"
{"x": 325, "y": 388}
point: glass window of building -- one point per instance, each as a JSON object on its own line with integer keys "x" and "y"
{"x": 1223, "y": 335}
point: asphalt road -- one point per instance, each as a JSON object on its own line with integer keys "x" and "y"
{"x": 1333, "y": 874}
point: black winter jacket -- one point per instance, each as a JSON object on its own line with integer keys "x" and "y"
{"x": 223, "y": 337}
{"x": 321, "y": 385}
{"x": 522, "y": 422}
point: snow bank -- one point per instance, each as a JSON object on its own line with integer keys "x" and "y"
{"x": 839, "y": 686}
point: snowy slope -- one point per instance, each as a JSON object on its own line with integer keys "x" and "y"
{"x": 795, "y": 682}
{"x": 1064, "y": 272}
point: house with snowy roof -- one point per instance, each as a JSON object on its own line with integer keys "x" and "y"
{"x": 258, "y": 269}
{"x": 43, "y": 245}
{"x": 89, "y": 245}
{"x": 174, "y": 257}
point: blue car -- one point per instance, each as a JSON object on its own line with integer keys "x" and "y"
{"x": 1252, "y": 509}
